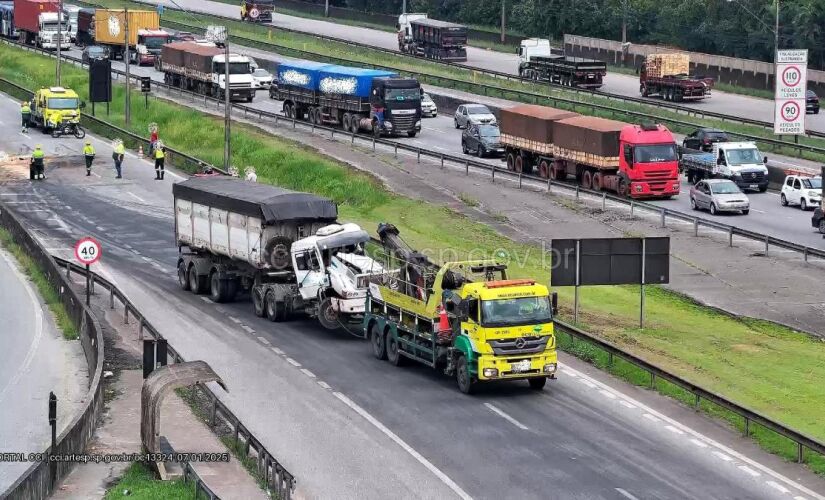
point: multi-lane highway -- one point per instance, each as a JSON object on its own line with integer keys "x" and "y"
{"x": 585, "y": 436}
{"x": 616, "y": 83}
{"x": 439, "y": 135}
{"x": 34, "y": 360}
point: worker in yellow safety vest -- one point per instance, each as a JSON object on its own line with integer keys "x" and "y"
{"x": 25, "y": 114}
{"x": 36, "y": 164}
{"x": 89, "y": 155}
{"x": 160, "y": 155}
{"x": 117, "y": 155}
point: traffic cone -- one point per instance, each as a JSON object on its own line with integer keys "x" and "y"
{"x": 443, "y": 321}
{"x": 140, "y": 151}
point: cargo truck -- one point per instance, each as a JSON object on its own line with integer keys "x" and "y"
{"x": 541, "y": 62}
{"x": 352, "y": 98}
{"x": 639, "y": 161}
{"x": 37, "y": 23}
{"x": 257, "y": 11}
{"x": 433, "y": 39}
{"x": 71, "y": 12}
{"x": 667, "y": 76}
{"x": 465, "y": 319}
{"x": 145, "y": 36}
{"x": 199, "y": 67}
{"x": 85, "y": 32}
{"x": 740, "y": 162}
{"x": 7, "y": 29}
{"x": 283, "y": 247}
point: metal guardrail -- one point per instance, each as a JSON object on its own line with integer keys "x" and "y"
{"x": 456, "y": 161}
{"x": 278, "y": 480}
{"x": 525, "y": 96}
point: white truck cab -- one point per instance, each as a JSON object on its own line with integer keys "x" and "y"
{"x": 533, "y": 47}
{"x": 404, "y": 28}
{"x": 48, "y": 35}
{"x": 240, "y": 75}
{"x": 70, "y": 13}
{"x": 742, "y": 163}
{"x": 804, "y": 191}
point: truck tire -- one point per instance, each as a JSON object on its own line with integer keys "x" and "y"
{"x": 345, "y": 121}
{"x": 277, "y": 252}
{"x": 511, "y": 161}
{"x": 544, "y": 169}
{"x": 393, "y": 355}
{"x": 258, "y": 302}
{"x": 183, "y": 279}
{"x": 597, "y": 181}
{"x": 411, "y": 133}
{"x": 587, "y": 180}
{"x": 624, "y": 189}
{"x": 217, "y": 288}
{"x": 537, "y": 383}
{"x": 327, "y": 315}
{"x": 378, "y": 341}
{"x": 463, "y": 378}
{"x": 197, "y": 283}
{"x": 822, "y": 226}
{"x": 275, "y": 309}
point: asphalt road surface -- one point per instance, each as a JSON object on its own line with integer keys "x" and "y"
{"x": 615, "y": 83}
{"x": 416, "y": 435}
{"x": 34, "y": 360}
{"x": 440, "y": 136}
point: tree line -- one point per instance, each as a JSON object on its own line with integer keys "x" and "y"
{"x": 738, "y": 28}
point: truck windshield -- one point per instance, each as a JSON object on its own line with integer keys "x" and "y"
{"x": 738, "y": 157}
{"x": 402, "y": 94}
{"x": 52, "y": 26}
{"x": 515, "y": 312}
{"x": 62, "y": 103}
{"x": 235, "y": 68}
{"x": 154, "y": 42}
{"x": 655, "y": 153}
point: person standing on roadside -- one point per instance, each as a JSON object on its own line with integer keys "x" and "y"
{"x": 25, "y": 113}
{"x": 153, "y": 136}
{"x": 89, "y": 155}
{"x": 36, "y": 169}
{"x": 160, "y": 156}
{"x": 117, "y": 156}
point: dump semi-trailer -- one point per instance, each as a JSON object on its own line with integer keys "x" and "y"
{"x": 667, "y": 76}
{"x": 257, "y": 11}
{"x": 145, "y": 36}
{"x": 633, "y": 160}
{"x": 465, "y": 319}
{"x": 37, "y": 23}
{"x": 199, "y": 67}
{"x": 434, "y": 39}
{"x": 564, "y": 70}
{"x": 284, "y": 247}
{"x": 740, "y": 162}
{"x": 352, "y": 98}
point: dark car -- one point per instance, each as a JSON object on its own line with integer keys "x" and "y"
{"x": 94, "y": 52}
{"x": 482, "y": 139}
{"x": 811, "y": 102}
{"x": 182, "y": 36}
{"x": 704, "y": 138}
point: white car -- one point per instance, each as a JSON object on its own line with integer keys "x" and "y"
{"x": 477, "y": 114}
{"x": 803, "y": 191}
{"x": 428, "y": 107}
{"x": 262, "y": 78}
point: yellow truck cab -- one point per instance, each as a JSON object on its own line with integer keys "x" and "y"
{"x": 53, "y": 106}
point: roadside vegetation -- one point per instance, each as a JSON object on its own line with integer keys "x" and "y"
{"x": 140, "y": 483}
{"x": 768, "y": 368}
{"x": 47, "y": 292}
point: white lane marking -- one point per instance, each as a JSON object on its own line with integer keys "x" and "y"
{"x": 409, "y": 449}
{"x": 587, "y": 383}
{"x": 626, "y": 494}
{"x": 799, "y": 498}
{"x": 505, "y": 416}
{"x": 651, "y": 417}
{"x": 205, "y": 299}
{"x": 774, "y": 484}
{"x": 138, "y": 198}
{"x": 626, "y": 404}
{"x": 98, "y": 175}
{"x": 719, "y": 446}
{"x": 748, "y": 470}
{"x": 277, "y": 351}
{"x": 264, "y": 341}
{"x": 233, "y": 318}
{"x": 608, "y": 394}
{"x": 293, "y": 362}
{"x": 248, "y": 329}
{"x": 674, "y": 429}
{"x": 38, "y": 321}
{"x": 324, "y": 385}
{"x": 307, "y": 373}
{"x": 752, "y": 209}
{"x": 698, "y": 443}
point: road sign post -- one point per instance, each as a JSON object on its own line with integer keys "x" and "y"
{"x": 53, "y": 425}
{"x": 87, "y": 251}
{"x": 791, "y": 86}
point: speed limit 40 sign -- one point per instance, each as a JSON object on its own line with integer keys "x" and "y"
{"x": 87, "y": 251}
{"x": 791, "y": 87}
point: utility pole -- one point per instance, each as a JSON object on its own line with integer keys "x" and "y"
{"x": 326, "y": 8}
{"x": 126, "y": 57}
{"x": 624, "y": 21}
{"x": 776, "y": 36}
{"x": 404, "y": 6}
{"x": 503, "y": 22}
{"x": 227, "y": 109}
{"x": 59, "y": 38}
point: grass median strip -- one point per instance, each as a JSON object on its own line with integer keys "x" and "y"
{"x": 47, "y": 292}
{"x": 140, "y": 483}
{"x": 770, "y": 369}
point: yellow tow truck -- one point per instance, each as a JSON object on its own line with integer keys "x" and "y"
{"x": 463, "y": 318}
{"x": 57, "y": 110}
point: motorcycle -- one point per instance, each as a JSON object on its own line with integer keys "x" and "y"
{"x": 68, "y": 128}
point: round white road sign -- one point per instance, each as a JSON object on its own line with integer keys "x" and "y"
{"x": 87, "y": 251}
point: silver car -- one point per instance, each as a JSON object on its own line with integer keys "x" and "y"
{"x": 718, "y": 195}
{"x": 476, "y": 114}
{"x": 428, "y": 107}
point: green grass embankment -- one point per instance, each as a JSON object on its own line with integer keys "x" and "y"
{"x": 140, "y": 483}
{"x": 768, "y": 368}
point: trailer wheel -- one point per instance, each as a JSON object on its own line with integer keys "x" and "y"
{"x": 537, "y": 383}
{"x": 197, "y": 283}
{"x": 183, "y": 280}
{"x": 275, "y": 309}
{"x": 217, "y": 288}
{"x": 345, "y": 122}
{"x": 587, "y": 180}
{"x": 378, "y": 341}
{"x": 544, "y": 169}
{"x": 511, "y": 161}
{"x": 393, "y": 356}
{"x": 462, "y": 376}
{"x": 258, "y": 302}
{"x": 597, "y": 181}
{"x": 519, "y": 164}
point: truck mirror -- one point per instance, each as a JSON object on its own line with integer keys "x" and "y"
{"x": 83, "y": 105}
{"x": 765, "y": 160}
{"x": 554, "y": 303}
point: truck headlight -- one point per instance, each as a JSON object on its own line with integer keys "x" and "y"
{"x": 387, "y": 124}
{"x": 418, "y": 123}
{"x": 491, "y": 372}
{"x": 550, "y": 368}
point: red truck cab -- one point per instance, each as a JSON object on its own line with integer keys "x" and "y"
{"x": 648, "y": 162}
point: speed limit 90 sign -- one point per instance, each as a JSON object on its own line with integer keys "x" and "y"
{"x": 87, "y": 251}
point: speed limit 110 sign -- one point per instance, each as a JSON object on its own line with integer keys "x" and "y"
{"x": 791, "y": 87}
{"x": 87, "y": 251}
